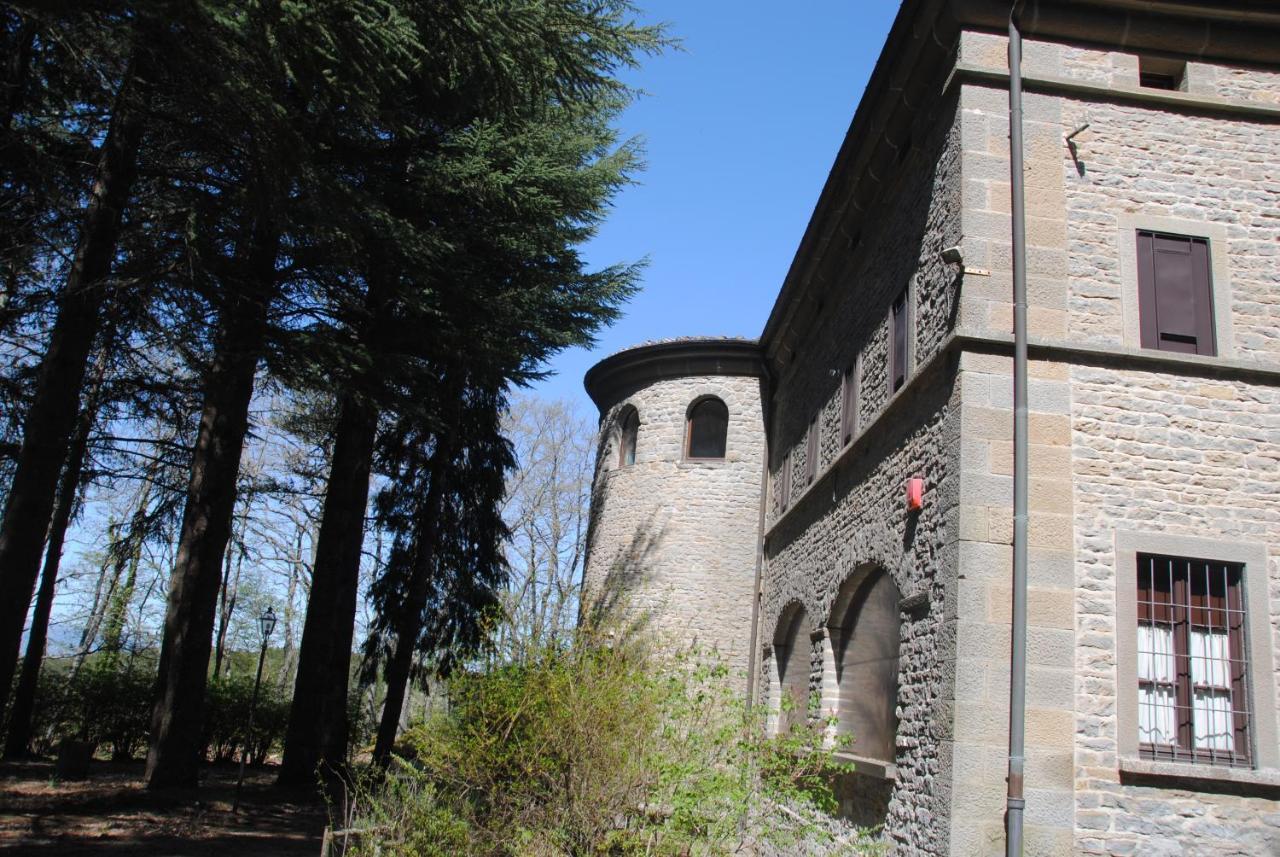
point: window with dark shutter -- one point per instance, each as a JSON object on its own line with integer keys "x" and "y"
{"x": 811, "y": 452}
{"x": 1192, "y": 665}
{"x": 849, "y": 404}
{"x": 1175, "y": 296}
{"x": 898, "y": 343}
{"x": 784, "y": 482}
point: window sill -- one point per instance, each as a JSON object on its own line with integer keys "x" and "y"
{"x": 1247, "y": 781}
{"x": 873, "y": 768}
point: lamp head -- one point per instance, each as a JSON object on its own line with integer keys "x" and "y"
{"x": 267, "y": 622}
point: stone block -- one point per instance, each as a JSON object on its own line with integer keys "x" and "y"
{"x": 1050, "y": 687}
{"x": 985, "y": 561}
{"x": 1050, "y": 727}
{"x": 1049, "y": 495}
{"x": 1046, "y": 608}
{"x": 1045, "y": 530}
{"x": 992, "y": 364}
{"x": 1040, "y": 841}
{"x": 973, "y": 523}
{"x": 995, "y": 424}
{"x": 1050, "y": 808}
{"x": 985, "y": 489}
{"x": 1049, "y": 429}
{"x": 1046, "y": 397}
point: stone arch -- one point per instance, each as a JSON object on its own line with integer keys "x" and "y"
{"x": 628, "y": 432}
{"x": 865, "y": 627}
{"x": 791, "y": 650}
{"x": 706, "y": 428}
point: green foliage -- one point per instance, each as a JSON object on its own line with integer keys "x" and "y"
{"x": 604, "y": 747}
{"x": 107, "y": 703}
{"x": 226, "y": 719}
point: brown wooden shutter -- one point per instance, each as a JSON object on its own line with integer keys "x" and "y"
{"x": 898, "y": 344}
{"x": 849, "y": 404}
{"x": 784, "y": 486}
{"x": 811, "y": 451}
{"x": 1175, "y": 296}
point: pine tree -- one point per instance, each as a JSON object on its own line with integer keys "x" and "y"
{"x": 51, "y": 414}
{"x": 478, "y": 197}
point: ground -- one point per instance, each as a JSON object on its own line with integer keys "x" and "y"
{"x": 112, "y": 813}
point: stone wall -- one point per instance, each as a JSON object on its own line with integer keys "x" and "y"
{"x": 1176, "y": 456}
{"x": 1184, "y": 448}
{"x": 678, "y": 536}
{"x": 854, "y": 514}
{"x": 1180, "y": 450}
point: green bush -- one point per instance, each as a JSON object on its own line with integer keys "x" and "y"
{"x": 107, "y": 702}
{"x": 226, "y": 719}
{"x": 607, "y": 747}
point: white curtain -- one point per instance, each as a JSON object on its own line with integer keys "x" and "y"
{"x": 1211, "y": 690}
{"x": 1157, "y": 692}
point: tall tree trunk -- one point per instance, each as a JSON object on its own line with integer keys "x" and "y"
{"x": 318, "y": 730}
{"x": 18, "y": 736}
{"x": 409, "y": 621}
{"x": 51, "y": 418}
{"x": 316, "y": 737}
{"x": 173, "y": 759}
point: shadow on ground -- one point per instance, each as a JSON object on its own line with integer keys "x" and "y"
{"x": 112, "y": 813}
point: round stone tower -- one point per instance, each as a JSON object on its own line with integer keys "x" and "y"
{"x": 676, "y": 501}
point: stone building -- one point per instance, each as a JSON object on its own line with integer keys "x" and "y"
{"x": 831, "y": 505}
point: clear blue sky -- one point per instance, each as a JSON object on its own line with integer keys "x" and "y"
{"x": 740, "y": 129}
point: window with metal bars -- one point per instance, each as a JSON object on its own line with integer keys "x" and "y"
{"x": 1193, "y": 704}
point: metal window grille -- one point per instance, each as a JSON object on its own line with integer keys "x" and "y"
{"x": 1193, "y": 699}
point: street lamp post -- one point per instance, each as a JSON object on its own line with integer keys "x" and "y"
{"x": 266, "y": 624}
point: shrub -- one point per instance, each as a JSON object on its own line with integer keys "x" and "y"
{"x": 226, "y": 719}
{"x": 604, "y": 747}
{"x": 107, "y": 702}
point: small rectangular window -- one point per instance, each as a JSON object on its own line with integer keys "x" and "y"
{"x": 849, "y": 404}
{"x": 811, "y": 451}
{"x": 1161, "y": 73}
{"x": 898, "y": 343}
{"x": 1192, "y": 666}
{"x": 1175, "y": 295}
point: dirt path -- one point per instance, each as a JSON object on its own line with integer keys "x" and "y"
{"x": 111, "y": 813}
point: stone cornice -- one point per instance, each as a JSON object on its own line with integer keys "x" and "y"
{"x": 618, "y": 374}
{"x": 1186, "y": 102}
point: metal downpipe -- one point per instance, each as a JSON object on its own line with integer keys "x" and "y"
{"x": 1015, "y": 801}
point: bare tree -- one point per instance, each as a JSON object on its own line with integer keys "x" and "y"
{"x": 547, "y": 504}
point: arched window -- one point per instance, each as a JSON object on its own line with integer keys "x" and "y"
{"x": 708, "y": 425}
{"x": 628, "y": 431}
{"x": 867, "y": 663}
{"x": 791, "y": 653}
